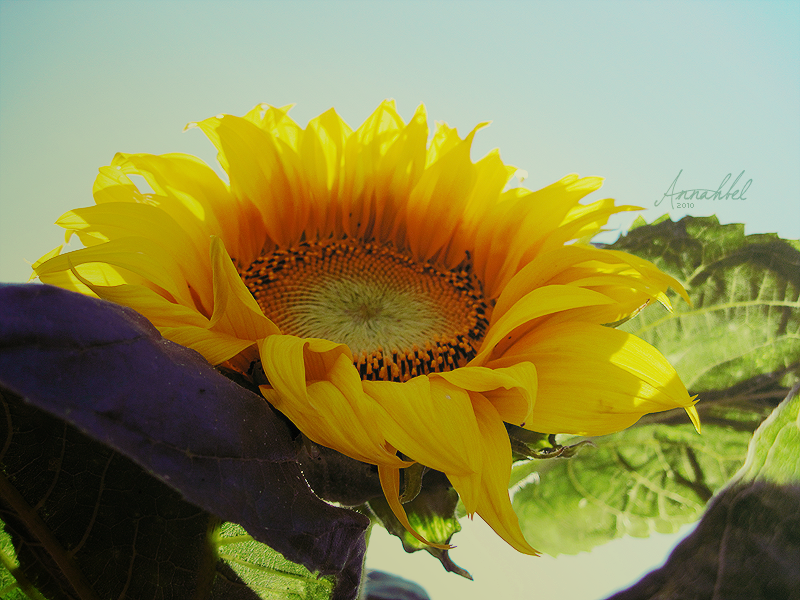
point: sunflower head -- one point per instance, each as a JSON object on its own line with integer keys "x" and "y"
{"x": 396, "y": 301}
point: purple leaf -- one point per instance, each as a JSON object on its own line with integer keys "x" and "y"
{"x": 106, "y": 369}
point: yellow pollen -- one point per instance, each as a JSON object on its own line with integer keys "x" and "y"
{"x": 400, "y": 318}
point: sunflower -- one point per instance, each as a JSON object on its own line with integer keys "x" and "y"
{"x": 391, "y": 297}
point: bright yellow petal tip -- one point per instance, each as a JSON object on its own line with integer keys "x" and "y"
{"x": 692, "y": 412}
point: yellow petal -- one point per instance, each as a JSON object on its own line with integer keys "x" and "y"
{"x": 344, "y": 419}
{"x": 494, "y": 504}
{"x": 322, "y": 152}
{"x": 430, "y": 221}
{"x": 192, "y": 194}
{"x": 629, "y": 295}
{"x": 276, "y": 122}
{"x": 364, "y": 154}
{"x": 491, "y": 176}
{"x": 536, "y": 303}
{"x": 693, "y": 416}
{"x": 284, "y": 357}
{"x": 110, "y": 221}
{"x": 492, "y": 233}
{"x": 512, "y": 390}
{"x": 236, "y": 312}
{"x": 216, "y": 347}
{"x": 263, "y": 171}
{"x": 538, "y": 273}
{"x": 649, "y": 271}
{"x": 429, "y": 421}
{"x": 581, "y": 221}
{"x": 538, "y": 219}
{"x": 445, "y": 139}
{"x": 52, "y": 254}
{"x": 397, "y": 173}
{"x": 586, "y": 220}
{"x": 390, "y": 483}
{"x": 314, "y": 383}
{"x": 132, "y": 260}
{"x": 112, "y": 185}
{"x": 66, "y": 280}
{"x": 594, "y": 380}
{"x": 627, "y": 281}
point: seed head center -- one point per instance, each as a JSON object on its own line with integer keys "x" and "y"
{"x": 400, "y": 318}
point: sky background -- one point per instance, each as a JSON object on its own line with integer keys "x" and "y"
{"x": 636, "y": 92}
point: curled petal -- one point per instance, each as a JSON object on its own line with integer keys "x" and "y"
{"x": 314, "y": 383}
{"x": 535, "y": 304}
{"x": 627, "y": 280}
{"x": 390, "y": 484}
{"x": 236, "y": 312}
{"x": 511, "y": 390}
{"x": 131, "y": 260}
{"x": 104, "y": 222}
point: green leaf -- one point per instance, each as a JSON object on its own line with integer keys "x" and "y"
{"x": 774, "y": 453}
{"x": 744, "y": 321}
{"x": 746, "y": 544}
{"x": 13, "y": 584}
{"x": 432, "y": 514}
{"x": 265, "y": 571}
{"x": 642, "y": 480}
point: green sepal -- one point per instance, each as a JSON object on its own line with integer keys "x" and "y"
{"x": 432, "y": 513}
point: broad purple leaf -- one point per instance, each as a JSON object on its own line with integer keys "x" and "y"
{"x": 105, "y": 369}
{"x": 86, "y": 522}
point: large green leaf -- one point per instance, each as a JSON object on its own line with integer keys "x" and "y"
{"x": 774, "y": 453}
{"x": 737, "y": 345}
{"x": 643, "y": 480}
{"x": 747, "y": 543}
{"x": 744, "y": 321}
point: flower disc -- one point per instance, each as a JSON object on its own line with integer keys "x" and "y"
{"x": 400, "y": 318}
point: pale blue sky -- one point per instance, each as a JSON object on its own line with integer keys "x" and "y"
{"x": 631, "y": 91}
